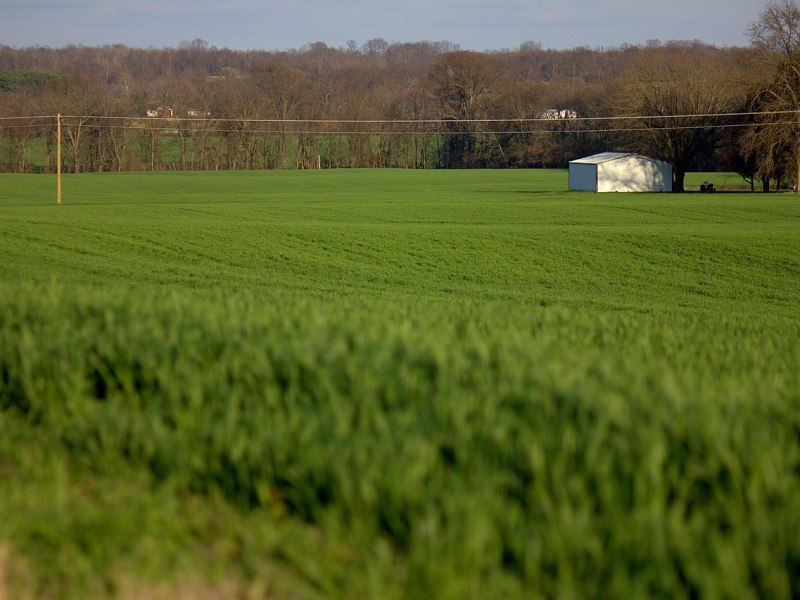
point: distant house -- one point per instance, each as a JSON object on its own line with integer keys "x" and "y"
{"x": 197, "y": 113}
{"x": 559, "y": 113}
{"x": 620, "y": 172}
{"x": 161, "y": 111}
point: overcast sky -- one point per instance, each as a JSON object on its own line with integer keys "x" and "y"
{"x": 285, "y": 24}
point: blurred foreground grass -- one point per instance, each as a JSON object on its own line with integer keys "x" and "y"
{"x": 364, "y": 449}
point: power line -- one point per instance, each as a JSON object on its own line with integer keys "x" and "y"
{"x": 206, "y": 130}
{"x": 442, "y": 121}
{"x": 385, "y": 132}
{"x": 456, "y": 120}
{"x": 177, "y": 125}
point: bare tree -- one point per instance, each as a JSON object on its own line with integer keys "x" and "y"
{"x": 777, "y": 34}
{"x": 671, "y": 95}
{"x": 79, "y": 100}
{"x": 464, "y": 82}
{"x": 411, "y": 105}
{"x": 286, "y": 95}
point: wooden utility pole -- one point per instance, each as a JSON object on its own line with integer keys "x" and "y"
{"x": 58, "y": 160}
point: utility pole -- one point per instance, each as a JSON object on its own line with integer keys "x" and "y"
{"x": 58, "y": 159}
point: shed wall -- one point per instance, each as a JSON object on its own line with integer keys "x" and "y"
{"x": 583, "y": 177}
{"x": 634, "y": 174}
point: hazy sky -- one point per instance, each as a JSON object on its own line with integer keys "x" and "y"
{"x": 284, "y": 24}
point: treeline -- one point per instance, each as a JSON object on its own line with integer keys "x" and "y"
{"x": 408, "y": 105}
{"x": 216, "y": 96}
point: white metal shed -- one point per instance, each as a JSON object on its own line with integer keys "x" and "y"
{"x": 620, "y": 172}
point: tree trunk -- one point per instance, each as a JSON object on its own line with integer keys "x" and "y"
{"x": 76, "y": 158}
{"x": 797, "y": 179}
{"x": 678, "y": 177}
{"x": 153, "y": 151}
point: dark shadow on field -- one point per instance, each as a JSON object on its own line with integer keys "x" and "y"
{"x": 519, "y": 191}
{"x": 540, "y": 191}
{"x": 665, "y": 194}
{"x": 723, "y": 192}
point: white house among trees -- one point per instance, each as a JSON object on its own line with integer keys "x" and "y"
{"x": 620, "y": 172}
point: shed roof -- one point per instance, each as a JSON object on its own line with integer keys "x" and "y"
{"x": 596, "y": 159}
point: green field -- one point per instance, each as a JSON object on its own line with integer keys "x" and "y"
{"x": 396, "y": 384}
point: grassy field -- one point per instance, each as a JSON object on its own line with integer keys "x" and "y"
{"x": 396, "y": 384}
